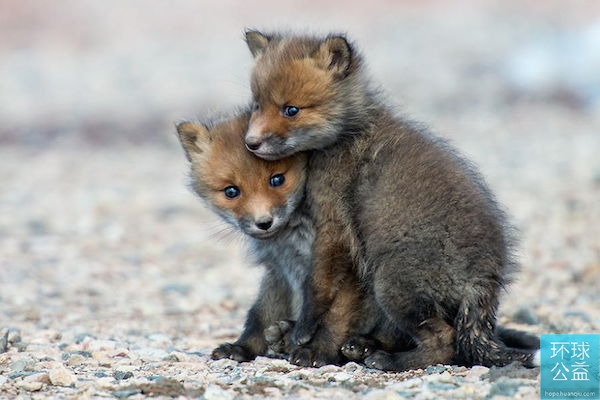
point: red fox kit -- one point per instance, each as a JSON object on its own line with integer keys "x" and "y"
{"x": 393, "y": 206}
{"x": 264, "y": 200}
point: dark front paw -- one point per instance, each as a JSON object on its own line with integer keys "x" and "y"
{"x": 358, "y": 348}
{"x": 234, "y": 352}
{"x": 305, "y": 356}
{"x": 381, "y": 360}
{"x": 278, "y": 336}
{"x": 303, "y": 332}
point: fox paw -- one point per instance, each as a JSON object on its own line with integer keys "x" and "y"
{"x": 303, "y": 332}
{"x": 232, "y": 351}
{"x": 277, "y": 336}
{"x": 381, "y": 360}
{"x": 308, "y": 357}
{"x": 358, "y": 348}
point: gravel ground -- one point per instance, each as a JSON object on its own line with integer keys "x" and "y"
{"x": 116, "y": 282}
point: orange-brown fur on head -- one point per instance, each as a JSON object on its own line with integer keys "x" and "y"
{"x": 219, "y": 160}
{"x": 322, "y": 78}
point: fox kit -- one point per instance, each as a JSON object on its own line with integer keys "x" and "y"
{"x": 393, "y": 206}
{"x": 264, "y": 200}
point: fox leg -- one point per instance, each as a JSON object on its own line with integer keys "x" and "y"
{"x": 271, "y": 305}
{"x": 381, "y": 335}
{"x": 333, "y": 329}
{"x": 435, "y": 340}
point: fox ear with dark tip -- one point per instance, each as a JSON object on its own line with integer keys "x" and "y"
{"x": 194, "y": 138}
{"x": 335, "y": 54}
{"x": 257, "y": 42}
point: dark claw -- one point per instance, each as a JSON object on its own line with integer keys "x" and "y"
{"x": 358, "y": 348}
{"x": 380, "y": 360}
{"x": 232, "y": 351}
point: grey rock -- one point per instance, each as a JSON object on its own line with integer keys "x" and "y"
{"x": 24, "y": 364}
{"x": 526, "y": 315}
{"x": 125, "y": 393}
{"x": 20, "y": 374}
{"x": 505, "y": 387}
{"x": 122, "y": 375}
{"x": 86, "y": 354}
{"x": 436, "y": 369}
{"x": 4, "y": 341}
{"x": 80, "y": 337}
{"x": 214, "y": 392}
{"x": 514, "y": 371}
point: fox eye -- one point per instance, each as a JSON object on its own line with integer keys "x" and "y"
{"x": 255, "y": 106}
{"x": 290, "y": 111}
{"x": 231, "y": 192}
{"x": 277, "y": 180}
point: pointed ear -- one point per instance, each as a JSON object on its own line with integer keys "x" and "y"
{"x": 256, "y": 42}
{"x": 194, "y": 138}
{"x": 335, "y": 54}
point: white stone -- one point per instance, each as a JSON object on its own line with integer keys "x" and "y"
{"x": 214, "y": 392}
{"x": 30, "y": 386}
{"x": 60, "y": 376}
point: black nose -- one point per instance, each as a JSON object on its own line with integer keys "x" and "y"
{"x": 253, "y": 143}
{"x": 264, "y": 223}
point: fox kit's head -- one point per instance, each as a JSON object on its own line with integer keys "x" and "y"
{"x": 256, "y": 196}
{"x": 305, "y": 89}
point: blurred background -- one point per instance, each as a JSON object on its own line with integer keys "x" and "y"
{"x": 98, "y": 232}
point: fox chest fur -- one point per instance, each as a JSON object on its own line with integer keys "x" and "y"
{"x": 288, "y": 256}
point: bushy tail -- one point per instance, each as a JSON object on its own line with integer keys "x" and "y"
{"x": 517, "y": 339}
{"x": 479, "y": 343}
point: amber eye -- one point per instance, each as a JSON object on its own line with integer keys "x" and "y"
{"x": 290, "y": 111}
{"x": 277, "y": 180}
{"x": 231, "y": 192}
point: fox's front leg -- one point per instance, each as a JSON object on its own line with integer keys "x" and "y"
{"x": 271, "y": 305}
{"x": 331, "y": 266}
{"x": 332, "y": 301}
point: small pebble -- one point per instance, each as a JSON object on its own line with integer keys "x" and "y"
{"x": 30, "y": 386}
{"x": 81, "y": 337}
{"x": 224, "y": 363}
{"x": 14, "y": 335}
{"x": 505, "y": 387}
{"x": 353, "y": 367}
{"x": 214, "y": 392}
{"x": 60, "y": 376}
{"x": 24, "y": 364}
{"x": 38, "y": 377}
{"x": 3, "y": 341}
{"x": 75, "y": 359}
{"x": 125, "y": 393}
{"x": 100, "y": 345}
{"x": 435, "y": 369}
{"x": 476, "y": 373}
{"x": 383, "y": 394}
{"x": 526, "y": 315}
{"x": 151, "y": 354}
{"x": 342, "y": 377}
{"x": 122, "y": 375}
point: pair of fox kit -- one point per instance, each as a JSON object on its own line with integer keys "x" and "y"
{"x": 380, "y": 243}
